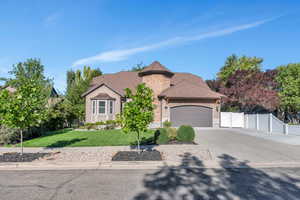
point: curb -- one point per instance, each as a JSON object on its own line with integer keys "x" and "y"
{"x": 136, "y": 165}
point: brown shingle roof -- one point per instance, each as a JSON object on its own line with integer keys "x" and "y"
{"x": 117, "y": 82}
{"x": 183, "y": 85}
{"x": 189, "y": 90}
{"x": 156, "y": 68}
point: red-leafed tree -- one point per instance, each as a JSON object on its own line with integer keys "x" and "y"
{"x": 251, "y": 91}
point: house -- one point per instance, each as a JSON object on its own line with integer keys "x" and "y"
{"x": 182, "y": 98}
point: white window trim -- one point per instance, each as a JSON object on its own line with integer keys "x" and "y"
{"x": 113, "y": 107}
{"x": 107, "y": 107}
{"x": 94, "y": 103}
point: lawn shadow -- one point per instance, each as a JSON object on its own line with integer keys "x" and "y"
{"x": 234, "y": 180}
{"x": 147, "y": 144}
{"x": 64, "y": 143}
{"x": 62, "y": 131}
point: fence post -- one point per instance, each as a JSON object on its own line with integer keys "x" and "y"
{"x": 257, "y": 122}
{"x": 286, "y": 129}
{"x": 246, "y": 121}
{"x": 270, "y": 123}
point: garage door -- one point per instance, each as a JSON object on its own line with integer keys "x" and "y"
{"x": 196, "y": 116}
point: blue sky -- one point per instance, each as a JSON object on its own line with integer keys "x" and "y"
{"x": 186, "y": 36}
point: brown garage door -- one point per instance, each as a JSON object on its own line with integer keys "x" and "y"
{"x": 196, "y": 116}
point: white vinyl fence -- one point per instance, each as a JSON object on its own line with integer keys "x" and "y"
{"x": 270, "y": 123}
{"x": 230, "y": 119}
{"x": 263, "y": 122}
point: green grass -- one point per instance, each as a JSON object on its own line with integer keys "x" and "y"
{"x": 70, "y": 138}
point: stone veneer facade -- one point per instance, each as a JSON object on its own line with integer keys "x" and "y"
{"x": 158, "y": 83}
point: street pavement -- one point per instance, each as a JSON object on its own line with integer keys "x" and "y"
{"x": 167, "y": 183}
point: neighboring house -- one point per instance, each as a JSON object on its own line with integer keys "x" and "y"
{"x": 181, "y": 98}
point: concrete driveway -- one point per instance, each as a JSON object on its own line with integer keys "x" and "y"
{"x": 245, "y": 147}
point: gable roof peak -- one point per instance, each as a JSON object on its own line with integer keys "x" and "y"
{"x": 156, "y": 68}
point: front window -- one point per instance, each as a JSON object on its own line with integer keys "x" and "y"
{"x": 101, "y": 105}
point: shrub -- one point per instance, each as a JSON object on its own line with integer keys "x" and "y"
{"x": 99, "y": 123}
{"x": 161, "y": 136}
{"x": 8, "y": 135}
{"x": 167, "y": 124}
{"x": 111, "y": 124}
{"x": 185, "y": 134}
{"x": 89, "y": 126}
{"x": 172, "y": 133}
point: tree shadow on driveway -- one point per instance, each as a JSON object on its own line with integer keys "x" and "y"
{"x": 235, "y": 180}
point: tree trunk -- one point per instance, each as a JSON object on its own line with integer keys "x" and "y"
{"x": 22, "y": 142}
{"x": 138, "y": 140}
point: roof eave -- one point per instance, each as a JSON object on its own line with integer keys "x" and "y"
{"x": 90, "y": 91}
{"x": 194, "y": 98}
{"x": 167, "y": 73}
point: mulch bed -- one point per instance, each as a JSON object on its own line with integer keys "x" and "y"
{"x": 135, "y": 156}
{"x": 26, "y": 157}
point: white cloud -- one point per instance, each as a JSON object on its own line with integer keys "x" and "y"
{"x": 51, "y": 19}
{"x": 118, "y": 55}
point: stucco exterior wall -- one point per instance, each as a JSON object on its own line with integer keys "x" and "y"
{"x": 90, "y": 117}
{"x": 199, "y": 102}
{"x": 158, "y": 83}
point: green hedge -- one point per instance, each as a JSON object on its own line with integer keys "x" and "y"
{"x": 161, "y": 136}
{"x": 185, "y": 134}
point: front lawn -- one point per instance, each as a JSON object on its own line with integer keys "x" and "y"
{"x": 70, "y": 138}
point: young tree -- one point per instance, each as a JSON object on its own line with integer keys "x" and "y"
{"x": 23, "y": 109}
{"x": 234, "y": 63}
{"x": 26, "y": 107}
{"x": 289, "y": 90}
{"x": 138, "y": 111}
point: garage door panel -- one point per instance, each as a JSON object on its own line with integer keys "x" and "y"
{"x": 196, "y": 116}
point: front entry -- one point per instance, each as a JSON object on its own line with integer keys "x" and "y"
{"x": 196, "y": 116}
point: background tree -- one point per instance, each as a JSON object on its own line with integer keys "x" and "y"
{"x": 138, "y": 111}
{"x": 251, "y": 91}
{"x": 288, "y": 79}
{"x": 26, "y": 107}
{"x": 138, "y": 67}
{"x": 214, "y": 84}
{"x": 77, "y": 83}
{"x": 234, "y": 63}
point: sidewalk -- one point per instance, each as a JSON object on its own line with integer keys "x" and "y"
{"x": 100, "y": 158}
